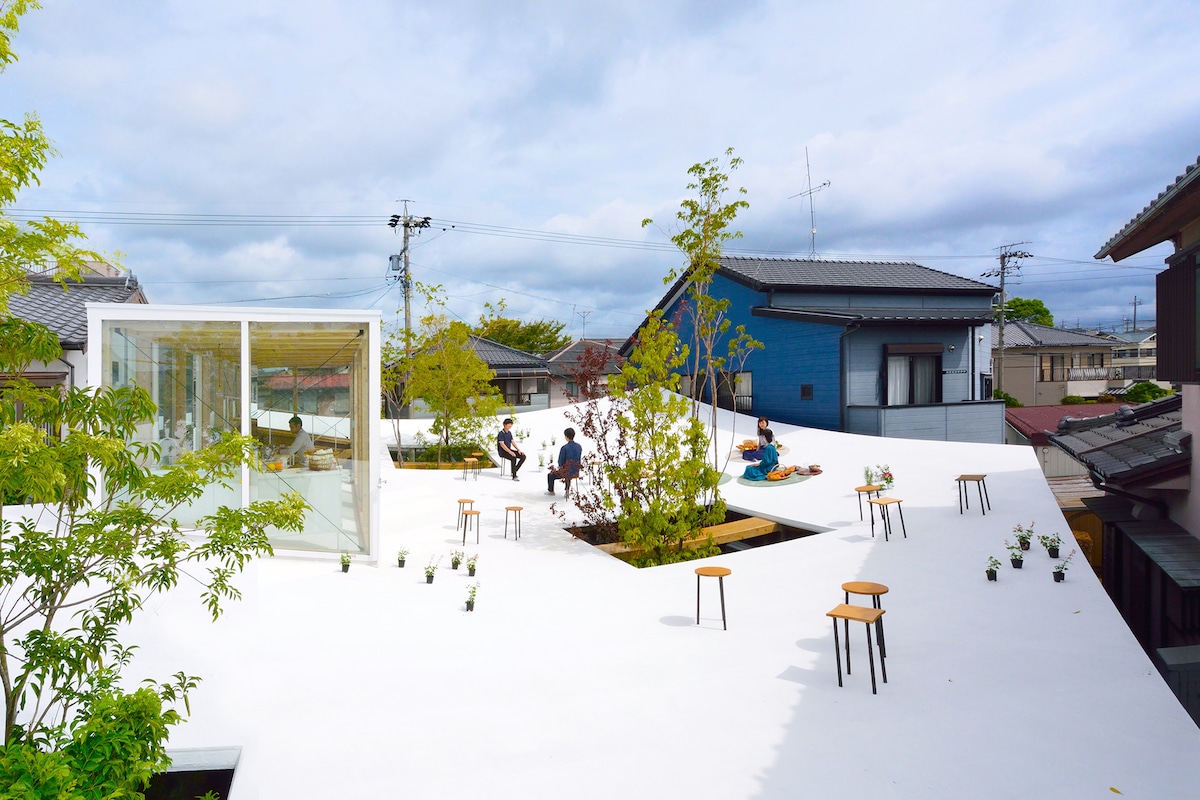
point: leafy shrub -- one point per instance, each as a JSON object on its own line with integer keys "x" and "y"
{"x": 1009, "y": 400}
{"x": 1074, "y": 400}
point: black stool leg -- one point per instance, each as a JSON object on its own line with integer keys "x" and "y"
{"x": 837, "y": 652}
{"x": 979, "y": 486}
{"x": 985, "y": 494}
{"x": 871, "y": 658}
{"x": 962, "y": 490}
{"x": 903, "y": 528}
{"x": 721, "y": 583}
{"x": 882, "y": 645}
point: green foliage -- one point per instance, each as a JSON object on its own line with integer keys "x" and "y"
{"x": 440, "y": 368}
{"x": 1009, "y": 400}
{"x": 1074, "y": 400}
{"x": 1144, "y": 392}
{"x": 705, "y": 220}
{"x": 101, "y": 537}
{"x": 539, "y": 337}
{"x": 1029, "y": 310}
{"x": 661, "y": 486}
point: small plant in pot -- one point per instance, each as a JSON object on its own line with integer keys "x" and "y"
{"x": 1051, "y": 543}
{"x": 883, "y": 474}
{"x": 456, "y": 558}
{"x": 868, "y": 476}
{"x": 1023, "y": 535}
{"x": 431, "y": 570}
{"x": 1060, "y": 569}
{"x": 471, "y": 565}
{"x": 993, "y": 565}
{"x": 541, "y": 460}
{"x": 471, "y": 596}
{"x": 1015, "y": 554}
{"x": 345, "y": 561}
{"x": 401, "y": 557}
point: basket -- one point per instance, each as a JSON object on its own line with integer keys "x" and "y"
{"x": 322, "y": 460}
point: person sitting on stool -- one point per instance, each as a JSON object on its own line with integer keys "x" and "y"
{"x": 570, "y": 457}
{"x": 508, "y": 449}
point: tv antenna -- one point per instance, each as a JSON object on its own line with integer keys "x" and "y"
{"x": 812, "y": 213}
{"x": 584, "y": 315}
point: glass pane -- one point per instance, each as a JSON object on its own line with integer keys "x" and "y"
{"x": 193, "y": 373}
{"x": 314, "y": 374}
{"x": 924, "y": 379}
{"x": 898, "y": 377}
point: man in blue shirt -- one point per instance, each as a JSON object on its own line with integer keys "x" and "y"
{"x": 570, "y": 457}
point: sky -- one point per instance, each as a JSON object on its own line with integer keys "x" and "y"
{"x": 252, "y": 153}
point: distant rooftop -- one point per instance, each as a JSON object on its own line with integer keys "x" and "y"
{"x": 1133, "y": 446}
{"x": 62, "y": 309}
{"x": 1028, "y": 334}
{"x": 801, "y": 274}
{"x": 1036, "y": 423}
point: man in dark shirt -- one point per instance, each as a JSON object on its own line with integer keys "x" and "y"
{"x": 508, "y": 449}
{"x": 570, "y": 456}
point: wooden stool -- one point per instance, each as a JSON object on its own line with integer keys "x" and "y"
{"x": 471, "y": 466}
{"x": 468, "y": 516}
{"x": 595, "y": 471}
{"x": 980, "y": 484}
{"x": 874, "y": 590}
{"x": 867, "y": 489}
{"x": 849, "y": 614}
{"x": 883, "y": 503}
{"x": 516, "y": 515}
{"x": 712, "y": 572}
{"x": 463, "y": 504}
{"x": 478, "y": 463}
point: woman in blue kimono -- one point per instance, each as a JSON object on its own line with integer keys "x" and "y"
{"x": 758, "y": 472}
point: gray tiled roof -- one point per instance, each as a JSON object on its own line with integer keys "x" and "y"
{"x": 508, "y": 361}
{"x": 63, "y": 312}
{"x": 1029, "y": 334}
{"x": 801, "y": 274}
{"x": 1182, "y": 182}
{"x": 566, "y": 358}
{"x": 1130, "y": 445}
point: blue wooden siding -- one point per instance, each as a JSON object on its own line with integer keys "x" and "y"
{"x": 794, "y": 354}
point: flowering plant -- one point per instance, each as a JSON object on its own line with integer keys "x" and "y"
{"x": 471, "y": 561}
{"x": 402, "y": 553}
{"x": 1024, "y": 534}
{"x": 1014, "y": 551}
{"x": 431, "y": 568}
{"x": 345, "y": 558}
{"x": 471, "y": 592}
{"x": 1062, "y": 565}
{"x": 883, "y": 474}
{"x": 1051, "y": 542}
{"x": 993, "y": 563}
{"x": 456, "y": 558}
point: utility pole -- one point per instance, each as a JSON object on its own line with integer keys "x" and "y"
{"x": 399, "y": 269}
{"x": 1136, "y": 303}
{"x": 1009, "y": 262}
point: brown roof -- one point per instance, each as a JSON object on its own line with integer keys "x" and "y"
{"x": 1036, "y": 422}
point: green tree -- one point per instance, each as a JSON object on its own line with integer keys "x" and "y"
{"x": 705, "y": 220}
{"x": 453, "y": 382}
{"x": 100, "y": 538}
{"x": 539, "y": 337}
{"x": 1144, "y": 392}
{"x": 1029, "y": 310}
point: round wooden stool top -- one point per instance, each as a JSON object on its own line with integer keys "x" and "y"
{"x": 470, "y": 513}
{"x": 714, "y": 572}
{"x": 462, "y": 501}
{"x": 870, "y": 487}
{"x": 514, "y": 508}
{"x": 864, "y": 587}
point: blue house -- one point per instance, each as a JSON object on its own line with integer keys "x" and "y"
{"x": 880, "y": 348}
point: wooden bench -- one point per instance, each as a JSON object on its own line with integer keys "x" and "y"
{"x": 724, "y": 533}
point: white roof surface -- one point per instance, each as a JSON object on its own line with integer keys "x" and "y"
{"x": 579, "y": 676}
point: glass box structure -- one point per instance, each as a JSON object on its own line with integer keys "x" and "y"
{"x": 213, "y": 371}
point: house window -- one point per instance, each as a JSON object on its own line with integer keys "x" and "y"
{"x": 806, "y": 391}
{"x": 913, "y": 374}
{"x": 1052, "y": 368}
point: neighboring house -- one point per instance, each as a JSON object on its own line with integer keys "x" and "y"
{"x": 581, "y": 359}
{"x": 523, "y": 379}
{"x": 1136, "y": 356}
{"x": 63, "y": 310}
{"x": 880, "y": 348}
{"x": 1042, "y": 365}
{"x": 1142, "y": 456}
{"x": 1031, "y": 426}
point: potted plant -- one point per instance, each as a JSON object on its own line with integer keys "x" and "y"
{"x": 431, "y": 570}
{"x": 345, "y": 561}
{"x": 553, "y": 441}
{"x": 401, "y": 555}
{"x": 883, "y": 474}
{"x": 1015, "y": 554}
{"x": 1051, "y": 543}
{"x": 868, "y": 476}
{"x": 1023, "y": 535}
{"x": 471, "y": 596}
{"x": 541, "y": 460}
{"x": 1060, "y": 569}
{"x": 456, "y": 558}
{"x": 993, "y": 565}
{"x": 471, "y": 565}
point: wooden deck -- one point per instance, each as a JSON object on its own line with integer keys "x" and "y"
{"x": 724, "y": 533}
